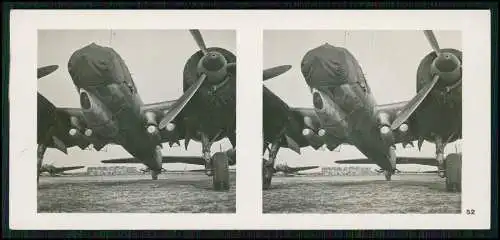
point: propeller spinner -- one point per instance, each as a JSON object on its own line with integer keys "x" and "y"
{"x": 446, "y": 67}
{"x": 213, "y": 67}
{"x": 213, "y": 64}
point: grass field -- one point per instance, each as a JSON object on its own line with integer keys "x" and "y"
{"x": 360, "y": 194}
{"x": 171, "y": 193}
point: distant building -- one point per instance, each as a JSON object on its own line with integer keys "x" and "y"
{"x": 347, "y": 171}
{"x": 111, "y": 170}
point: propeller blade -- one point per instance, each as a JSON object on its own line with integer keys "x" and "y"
{"x": 414, "y": 103}
{"x": 231, "y": 67}
{"x": 199, "y": 40}
{"x": 44, "y": 71}
{"x": 432, "y": 41}
{"x": 183, "y": 100}
{"x": 275, "y": 71}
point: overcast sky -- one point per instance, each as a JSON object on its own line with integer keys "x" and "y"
{"x": 389, "y": 60}
{"x": 156, "y": 60}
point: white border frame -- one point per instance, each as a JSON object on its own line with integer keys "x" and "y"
{"x": 475, "y": 27}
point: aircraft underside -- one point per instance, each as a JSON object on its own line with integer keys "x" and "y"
{"x": 346, "y": 112}
{"x": 112, "y": 111}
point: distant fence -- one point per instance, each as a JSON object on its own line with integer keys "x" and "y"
{"x": 112, "y": 170}
{"x": 347, "y": 171}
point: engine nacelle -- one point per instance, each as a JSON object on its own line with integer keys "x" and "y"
{"x": 448, "y": 66}
{"x": 97, "y": 116}
{"x": 331, "y": 116}
{"x": 312, "y": 138}
{"x": 384, "y": 121}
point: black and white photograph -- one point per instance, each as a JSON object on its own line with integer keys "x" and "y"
{"x": 136, "y": 121}
{"x": 345, "y": 120}
{"x": 359, "y": 121}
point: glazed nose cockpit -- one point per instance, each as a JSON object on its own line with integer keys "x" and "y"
{"x": 90, "y": 66}
{"x": 325, "y": 66}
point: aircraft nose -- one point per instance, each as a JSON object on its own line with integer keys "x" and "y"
{"x": 324, "y": 67}
{"x": 95, "y": 63}
{"x": 89, "y": 65}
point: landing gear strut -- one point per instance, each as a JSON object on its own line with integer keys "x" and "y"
{"x": 440, "y": 157}
{"x": 388, "y": 175}
{"x": 40, "y": 152}
{"x": 217, "y": 166}
{"x": 206, "y": 145}
{"x": 392, "y": 159}
{"x": 449, "y": 167}
{"x": 159, "y": 160}
{"x": 268, "y": 166}
{"x": 154, "y": 174}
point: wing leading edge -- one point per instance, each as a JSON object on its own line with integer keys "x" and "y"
{"x": 399, "y": 160}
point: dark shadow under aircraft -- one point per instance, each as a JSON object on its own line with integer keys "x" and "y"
{"x": 56, "y": 171}
{"x": 345, "y": 112}
{"x": 112, "y": 111}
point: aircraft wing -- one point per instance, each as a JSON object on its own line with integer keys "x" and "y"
{"x": 172, "y": 111}
{"x": 166, "y": 159}
{"x": 278, "y": 118}
{"x": 54, "y": 125}
{"x": 230, "y": 153}
{"x": 399, "y": 160}
{"x": 64, "y": 169}
{"x": 298, "y": 169}
{"x": 394, "y": 109}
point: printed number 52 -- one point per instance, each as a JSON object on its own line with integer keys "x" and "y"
{"x": 470, "y": 212}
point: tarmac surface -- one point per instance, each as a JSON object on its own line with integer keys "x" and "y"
{"x": 408, "y": 193}
{"x": 171, "y": 193}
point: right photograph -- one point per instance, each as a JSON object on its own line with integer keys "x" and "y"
{"x": 361, "y": 121}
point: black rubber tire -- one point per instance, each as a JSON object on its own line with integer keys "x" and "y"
{"x": 267, "y": 176}
{"x": 220, "y": 167}
{"x": 453, "y": 166}
{"x": 387, "y": 175}
{"x": 154, "y": 175}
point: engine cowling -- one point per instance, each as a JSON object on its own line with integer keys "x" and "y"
{"x": 384, "y": 121}
{"x": 331, "y": 116}
{"x": 215, "y": 65}
{"x": 314, "y": 140}
{"x": 448, "y": 66}
{"x": 98, "y": 118}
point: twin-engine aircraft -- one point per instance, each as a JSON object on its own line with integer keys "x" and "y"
{"x": 112, "y": 111}
{"x": 56, "y": 171}
{"x": 287, "y": 170}
{"x": 345, "y": 112}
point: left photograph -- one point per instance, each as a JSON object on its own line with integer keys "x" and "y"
{"x": 136, "y": 121}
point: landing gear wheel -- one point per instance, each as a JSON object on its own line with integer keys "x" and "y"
{"x": 388, "y": 175}
{"x": 154, "y": 174}
{"x": 220, "y": 170}
{"x": 267, "y": 176}
{"x": 453, "y": 166}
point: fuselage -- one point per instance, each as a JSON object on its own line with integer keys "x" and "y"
{"x": 110, "y": 102}
{"x": 344, "y": 103}
{"x": 112, "y": 106}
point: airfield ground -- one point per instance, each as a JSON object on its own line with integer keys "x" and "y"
{"x": 171, "y": 193}
{"x": 422, "y": 193}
